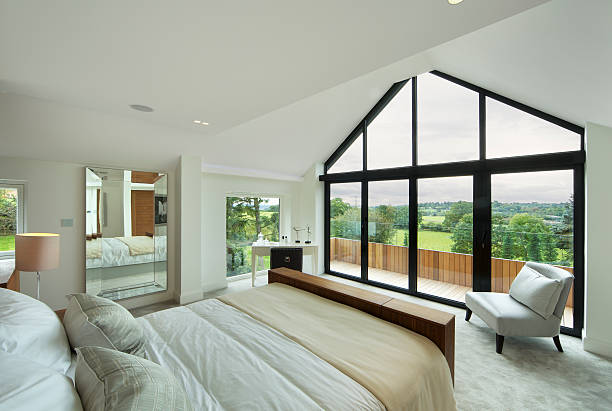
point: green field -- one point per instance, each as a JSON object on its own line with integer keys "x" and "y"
{"x": 429, "y": 240}
{"x": 7, "y": 242}
{"x": 433, "y": 219}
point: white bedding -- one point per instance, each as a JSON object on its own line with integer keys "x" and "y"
{"x": 7, "y": 266}
{"x": 228, "y": 360}
{"x": 116, "y": 253}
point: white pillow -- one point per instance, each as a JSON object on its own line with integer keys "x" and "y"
{"x": 536, "y": 291}
{"x": 30, "y": 328}
{"x": 26, "y": 385}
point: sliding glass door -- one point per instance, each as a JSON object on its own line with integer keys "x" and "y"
{"x": 532, "y": 220}
{"x": 345, "y": 229}
{"x": 445, "y": 237}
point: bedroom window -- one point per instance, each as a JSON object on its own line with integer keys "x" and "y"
{"x": 11, "y": 217}
{"x": 452, "y": 188}
{"x": 247, "y": 217}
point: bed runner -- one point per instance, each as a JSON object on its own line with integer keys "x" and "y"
{"x": 404, "y": 370}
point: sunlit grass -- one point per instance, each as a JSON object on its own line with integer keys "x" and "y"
{"x": 7, "y": 242}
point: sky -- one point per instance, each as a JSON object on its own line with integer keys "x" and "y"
{"x": 448, "y": 131}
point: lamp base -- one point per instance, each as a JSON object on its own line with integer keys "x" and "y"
{"x": 37, "y": 285}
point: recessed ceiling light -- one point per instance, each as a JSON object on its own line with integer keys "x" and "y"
{"x": 140, "y": 107}
{"x": 200, "y": 122}
{"x": 454, "y": 1}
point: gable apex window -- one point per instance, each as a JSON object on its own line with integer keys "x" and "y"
{"x": 446, "y": 187}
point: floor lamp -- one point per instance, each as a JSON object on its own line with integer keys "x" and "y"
{"x": 36, "y": 252}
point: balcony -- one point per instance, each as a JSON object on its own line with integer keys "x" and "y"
{"x": 440, "y": 273}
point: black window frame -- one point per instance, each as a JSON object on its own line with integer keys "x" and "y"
{"x": 481, "y": 170}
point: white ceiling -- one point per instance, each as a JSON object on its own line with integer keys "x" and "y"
{"x": 280, "y": 82}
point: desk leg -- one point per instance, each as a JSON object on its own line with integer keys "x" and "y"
{"x": 315, "y": 262}
{"x": 253, "y": 268}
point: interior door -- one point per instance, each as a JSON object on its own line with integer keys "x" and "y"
{"x": 143, "y": 212}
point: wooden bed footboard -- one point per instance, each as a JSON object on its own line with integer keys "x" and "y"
{"x": 438, "y": 326}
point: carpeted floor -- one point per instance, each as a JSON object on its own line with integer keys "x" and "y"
{"x": 529, "y": 375}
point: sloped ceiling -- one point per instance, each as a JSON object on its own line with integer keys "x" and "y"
{"x": 71, "y": 68}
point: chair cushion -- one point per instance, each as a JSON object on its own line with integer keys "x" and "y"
{"x": 536, "y": 291}
{"x": 509, "y": 317}
{"x": 100, "y": 322}
{"x": 112, "y": 380}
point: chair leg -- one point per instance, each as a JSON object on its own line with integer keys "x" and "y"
{"x": 499, "y": 343}
{"x": 557, "y": 342}
{"x": 468, "y": 314}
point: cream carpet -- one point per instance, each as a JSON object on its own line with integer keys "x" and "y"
{"x": 530, "y": 374}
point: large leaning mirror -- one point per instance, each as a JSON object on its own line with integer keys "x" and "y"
{"x": 125, "y": 232}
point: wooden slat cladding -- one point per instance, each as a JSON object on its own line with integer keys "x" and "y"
{"x": 145, "y": 177}
{"x": 438, "y": 326}
{"x": 452, "y": 268}
{"x": 143, "y": 212}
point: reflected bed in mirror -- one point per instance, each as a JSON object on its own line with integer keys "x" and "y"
{"x": 125, "y": 232}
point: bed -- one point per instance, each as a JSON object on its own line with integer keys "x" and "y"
{"x": 304, "y": 342}
{"x": 122, "y": 251}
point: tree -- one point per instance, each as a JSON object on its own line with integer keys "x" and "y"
{"x": 406, "y": 239}
{"x": 384, "y": 217}
{"x": 507, "y": 249}
{"x": 462, "y": 235}
{"x": 8, "y": 212}
{"x": 337, "y": 207}
{"x": 456, "y": 213}
{"x": 533, "y": 247}
{"x": 526, "y": 229}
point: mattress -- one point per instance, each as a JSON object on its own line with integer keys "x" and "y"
{"x": 227, "y": 360}
{"x": 116, "y": 253}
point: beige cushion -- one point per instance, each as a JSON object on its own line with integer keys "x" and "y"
{"x": 112, "y": 380}
{"x": 536, "y": 291}
{"x": 95, "y": 321}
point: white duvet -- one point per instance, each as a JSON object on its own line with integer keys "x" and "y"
{"x": 227, "y": 360}
{"x": 116, "y": 253}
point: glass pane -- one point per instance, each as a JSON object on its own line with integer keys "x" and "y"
{"x": 512, "y": 132}
{"x": 445, "y": 237}
{"x": 351, "y": 160}
{"x": 8, "y": 218}
{"x": 246, "y": 218}
{"x": 448, "y": 121}
{"x": 390, "y": 134}
{"x": 532, "y": 220}
{"x": 345, "y": 228}
{"x": 388, "y": 232}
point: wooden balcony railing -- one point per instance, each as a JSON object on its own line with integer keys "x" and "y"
{"x": 451, "y": 268}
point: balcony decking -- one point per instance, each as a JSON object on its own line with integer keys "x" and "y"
{"x": 425, "y": 285}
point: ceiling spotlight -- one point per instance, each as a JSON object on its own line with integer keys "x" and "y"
{"x": 140, "y": 107}
{"x": 200, "y": 122}
{"x": 454, "y": 1}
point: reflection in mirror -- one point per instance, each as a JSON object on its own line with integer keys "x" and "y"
{"x": 125, "y": 232}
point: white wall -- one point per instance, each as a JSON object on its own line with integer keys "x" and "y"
{"x": 190, "y": 236}
{"x": 598, "y": 290}
{"x": 55, "y": 191}
{"x": 309, "y": 211}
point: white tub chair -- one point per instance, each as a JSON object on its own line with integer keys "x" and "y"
{"x": 509, "y": 317}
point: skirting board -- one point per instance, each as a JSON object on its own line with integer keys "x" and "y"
{"x": 597, "y": 346}
{"x": 191, "y": 297}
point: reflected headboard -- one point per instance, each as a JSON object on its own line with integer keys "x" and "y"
{"x": 13, "y": 282}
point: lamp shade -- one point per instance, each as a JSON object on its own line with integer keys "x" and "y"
{"x": 36, "y": 251}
